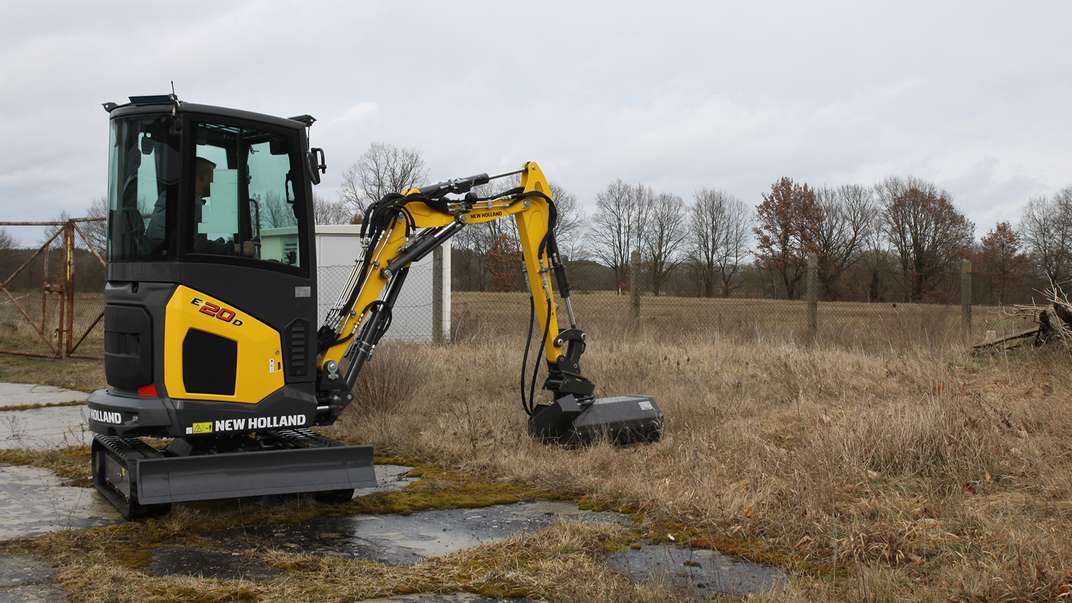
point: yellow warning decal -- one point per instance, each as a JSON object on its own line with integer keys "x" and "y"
{"x": 204, "y": 427}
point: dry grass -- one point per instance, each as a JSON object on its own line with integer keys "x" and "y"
{"x": 882, "y": 464}
{"x": 906, "y": 476}
{"x": 877, "y": 327}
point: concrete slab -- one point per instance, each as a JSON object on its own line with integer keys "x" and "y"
{"x": 443, "y": 598}
{"x": 700, "y": 572}
{"x": 33, "y": 501}
{"x": 409, "y": 539}
{"x": 27, "y": 579}
{"x": 17, "y": 394}
{"x": 56, "y": 427}
{"x": 187, "y": 561}
{"x": 389, "y": 478}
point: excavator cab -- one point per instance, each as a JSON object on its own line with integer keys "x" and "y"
{"x": 210, "y": 314}
{"x": 211, "y": 334}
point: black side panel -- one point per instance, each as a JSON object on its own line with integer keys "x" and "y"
{"x": 209, "y": 363}
{"x": 296, "y": 341}
{"x": 128, "y": 346}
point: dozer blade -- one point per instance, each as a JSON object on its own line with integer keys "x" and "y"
{"x": 259, "y": 473}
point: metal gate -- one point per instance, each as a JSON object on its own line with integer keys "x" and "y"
{"x": 62, "y": 321}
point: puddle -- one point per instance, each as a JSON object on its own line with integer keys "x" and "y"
{"x": 442, "y": 598}
{"x": 27, "y": 579}
{"x": 409, "y": 539}
{"x": 17, "y": 394}
{"x": 56, "y": 427}
{"x": 34, "y": 501}
{"x": 702, "y": 572}
{"x": 185, "y": 561}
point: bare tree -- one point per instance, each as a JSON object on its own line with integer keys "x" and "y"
{"x": 617, "y": 227}
{"x": 927, "y": 231}
{"x": 568, "y": 229}
{"x": 839, "y": 233}
{"x": 331, "y": 212}
{"x": 663, "y": 237}
{"x": 718, "y": 239}
{"x": 96, "y": 233}
{"x": 6, "y": 240}
{"x": 1046, "y": 227}
{"x": 382, "y": 169}
{"x": 488, "y": 239}
{"x": 1001, "y": 262}
{"x": 275, "y": 212}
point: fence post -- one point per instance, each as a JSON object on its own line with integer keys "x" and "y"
{"x": 966, "y": 301}
{"x": 813, "y": 297}
{"x": 437, "y": 295}
{"x": 67, "y": 329}
{"x": 634, "y": 285}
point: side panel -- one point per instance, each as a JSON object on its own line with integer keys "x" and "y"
{"x": 193, "y": 318}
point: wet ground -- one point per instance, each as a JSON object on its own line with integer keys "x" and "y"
{"x": 27, "y": 579}
{"x": 408, "y": 539}
{"x": 701, "y": 572}
{"x": 34, "y": 501}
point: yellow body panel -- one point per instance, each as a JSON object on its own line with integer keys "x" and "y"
{"x": 260, "y": 361}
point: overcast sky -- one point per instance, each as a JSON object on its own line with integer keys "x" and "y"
{"x": 974, "y": 96}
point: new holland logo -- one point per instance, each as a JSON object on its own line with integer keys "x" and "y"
{"x": 106, "y": 416}
{"x": 251, "y": 423}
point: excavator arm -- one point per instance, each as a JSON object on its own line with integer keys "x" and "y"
{"x": 403, "y": 228}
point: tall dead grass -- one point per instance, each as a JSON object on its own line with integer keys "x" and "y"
{"x": 911, "y": 474}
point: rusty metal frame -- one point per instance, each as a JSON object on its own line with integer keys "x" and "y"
{"x": 61, "y": 341}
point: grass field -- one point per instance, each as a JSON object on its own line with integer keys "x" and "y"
{"x": 877, "y": 465}
{"x": 852, "y": 325}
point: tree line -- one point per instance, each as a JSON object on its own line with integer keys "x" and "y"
{"x": 901, "y": 239}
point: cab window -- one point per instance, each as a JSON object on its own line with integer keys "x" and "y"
{"x": 142, "y": 184}
{"x": 245, "y": 203}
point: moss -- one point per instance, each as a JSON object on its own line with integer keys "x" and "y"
{"x": 441, "y": 488}
{"x": 71, "y": 464}
{"x": 33, "y": 406}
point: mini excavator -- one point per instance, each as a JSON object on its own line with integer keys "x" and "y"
{"x": 211, "y": 335}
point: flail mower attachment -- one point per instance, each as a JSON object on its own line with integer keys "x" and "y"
{"x": 622, "y": 421}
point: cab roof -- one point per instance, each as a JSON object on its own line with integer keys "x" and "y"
{"x": 165, "y": 103}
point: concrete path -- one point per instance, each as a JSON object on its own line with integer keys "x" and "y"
{"x": 27, "y": 579}
{"x": 40, "y": 428}
{"x": 17, "y": 394}
{"x": 37, "y": 428}
{"x": 33, "y": 501}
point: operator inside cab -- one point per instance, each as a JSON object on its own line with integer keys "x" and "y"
{"x": 242, "y": 203}
{"x": 205, "y": 170}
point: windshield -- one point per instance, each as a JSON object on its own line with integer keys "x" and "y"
{"x": 245, "y": 202}
{"x": 142, "y": 184}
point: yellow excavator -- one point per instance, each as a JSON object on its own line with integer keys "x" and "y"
{"x": 211, "y": 334}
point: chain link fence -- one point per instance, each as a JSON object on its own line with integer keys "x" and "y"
{"x": 874, "y": 326}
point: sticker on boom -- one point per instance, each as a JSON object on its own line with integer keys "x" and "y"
{"x": 216, "y": 311}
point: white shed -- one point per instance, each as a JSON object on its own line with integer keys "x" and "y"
{"x": 338, "y": 248}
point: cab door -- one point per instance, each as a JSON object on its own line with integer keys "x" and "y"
{"x": 246, "y": 256}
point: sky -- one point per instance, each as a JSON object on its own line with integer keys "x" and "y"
{"x": 973, "y": 96}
